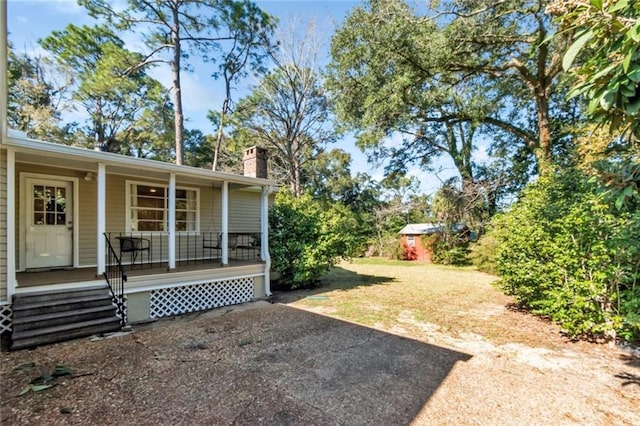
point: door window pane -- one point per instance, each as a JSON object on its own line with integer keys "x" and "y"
{"x": 49, "y": 192}
{"x": 49, "y": 205}
{"x": 38, "y": 191}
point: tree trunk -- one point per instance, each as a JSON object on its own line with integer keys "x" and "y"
{"x": 297, "y": 186}
{"x": 543, "y": 151}
{"x": 98, "y": 124}
{"x": 177, "y": 90}
{"x": 379, "y": 235}
{"x": 219, "y": 135}
{"x": 216, "y": 149}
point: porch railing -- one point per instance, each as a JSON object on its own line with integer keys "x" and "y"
{"x": 139, "y": 250}
{"x": 116, "y": 277}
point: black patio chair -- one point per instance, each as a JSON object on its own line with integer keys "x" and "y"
{"x": 134, "y": 245}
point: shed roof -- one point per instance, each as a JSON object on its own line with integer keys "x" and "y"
{"x": 421, "y": 228}
{"x": 427, "y": 228}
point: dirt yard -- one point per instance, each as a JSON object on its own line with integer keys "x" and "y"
{"x": 377, "y": 344}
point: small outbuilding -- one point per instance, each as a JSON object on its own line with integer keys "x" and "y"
{"x": 414, "y": 238}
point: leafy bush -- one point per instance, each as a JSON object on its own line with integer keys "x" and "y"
{"x": 306, "y": 238}
{"x": 568, "y": 253}
{"x": 449, "y": 248}
{"x": 392, "y": 247}
{"x": 396, "y": 249}
{"x": 483, "y": 254}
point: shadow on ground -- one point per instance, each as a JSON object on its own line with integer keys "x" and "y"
{"x": 627, "y": 378}
{"x": 337, "y": 279}
{"x": 273, "y": 364}
{"x": 353, "y": 374}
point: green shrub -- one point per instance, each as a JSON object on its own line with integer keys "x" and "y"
{"x": 449, "y": 248}
{"x": 566, "y": 252}
{"x": 306, "y": 238}
{"x": 396, "y": 249}
{"x": 483, "y": 253}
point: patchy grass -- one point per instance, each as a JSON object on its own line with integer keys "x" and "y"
{"x": 382, "y": 261}
{"x": 387, "y": 293}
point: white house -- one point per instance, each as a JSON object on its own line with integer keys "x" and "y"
{"x": 90, "y": 239}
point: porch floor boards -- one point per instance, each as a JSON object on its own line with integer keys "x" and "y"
{"x": 63, "y": 276}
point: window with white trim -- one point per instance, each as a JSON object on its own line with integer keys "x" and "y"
{"x": 411, "y": 240}
{"x": 148, "y": 208}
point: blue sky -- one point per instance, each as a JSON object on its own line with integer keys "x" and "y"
{"x": 29, "y": 20}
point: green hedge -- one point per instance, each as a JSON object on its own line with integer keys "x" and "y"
{"x": 568, "y": 253}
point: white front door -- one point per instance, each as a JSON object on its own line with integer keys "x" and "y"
{"x": 49, "y": 223}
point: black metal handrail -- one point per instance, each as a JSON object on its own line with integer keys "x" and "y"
{"x": 116, "y": 277}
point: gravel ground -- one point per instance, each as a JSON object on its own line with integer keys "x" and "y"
{"x": 287, "y": 363}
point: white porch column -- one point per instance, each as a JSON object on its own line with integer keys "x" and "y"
{"x": 101, "y": 182}
{"x": 11, "y": 222}
{"x": 264, "y": 245}
{"x": 225, "y": 223}
{"x": 172, "y": 221}
{"x": 3, "y": 74}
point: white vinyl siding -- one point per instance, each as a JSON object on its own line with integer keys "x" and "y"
{"x": 86, "y": 221}
{"x": 244, "y": 211}
{"x": 210, "y": 210}
{"x": 3, "y": 225}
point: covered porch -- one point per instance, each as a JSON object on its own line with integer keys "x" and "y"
{"x": 78, "y": 277}
{"x": 71, "y": 207}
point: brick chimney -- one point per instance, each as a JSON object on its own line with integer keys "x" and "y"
{"x": 255, "y": 162}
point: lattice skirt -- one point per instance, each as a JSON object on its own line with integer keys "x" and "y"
{"x": 199, "y": 297}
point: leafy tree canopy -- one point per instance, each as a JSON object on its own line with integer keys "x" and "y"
{"x": 111, "y": 93}
{"x": 36, "y": 96}
{"x": 440, "y": 77}
{"x": 174, "y": 30}
{"x": 289, "y": 114}
{"x": 607, "y": 36}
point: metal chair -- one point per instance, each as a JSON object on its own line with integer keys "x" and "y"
{"x": 211, "y": 243}
{"x": 134, "y": 245}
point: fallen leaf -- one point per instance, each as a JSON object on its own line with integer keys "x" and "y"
{"x": 62, "y": 370}
{"x": 38, "y": 388}
{"x": 41, "y": 380}
{"x": 25, "y": 390}
{"x": 25, "y": 366}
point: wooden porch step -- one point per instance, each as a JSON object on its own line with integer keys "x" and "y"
{"x": 49, "y": 295}
{"x": 58, "y": 318}
{"x": 58, "y": 305}
{"x": 47, "y": 317}
{"x": 39, "y": 337}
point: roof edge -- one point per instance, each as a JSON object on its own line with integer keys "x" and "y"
{"x": 111, "y": 158}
